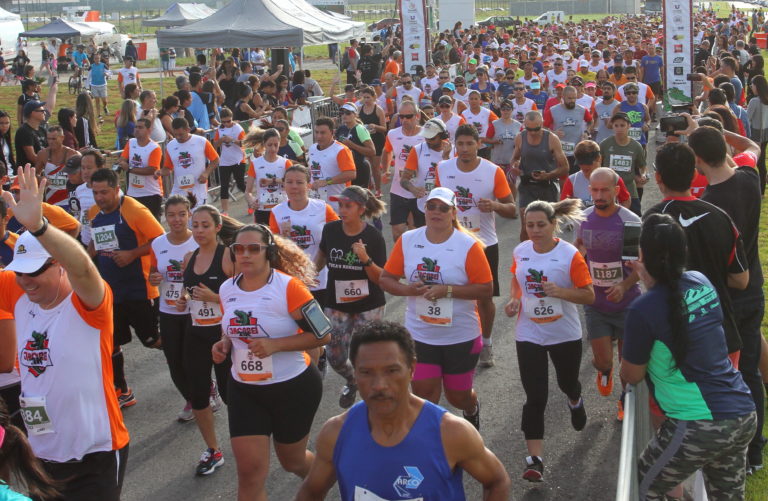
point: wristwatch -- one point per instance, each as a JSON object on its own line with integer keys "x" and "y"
{"x": 449, "y": 293}
{"x": 368, "y": 263}
{"x": 40, "y": 230}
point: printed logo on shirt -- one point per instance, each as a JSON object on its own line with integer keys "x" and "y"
{"x": 185, "y": 159}
{"x": 136, "y": 162}
{"x": 408, "y": 482}
{"x": 427, "y": 271}
{"x": 315, "y": 169}
{"x": 244, "y": 326}
{"x": 568, "y": 122}
{"x": 36, "y": 356}
{"x": 533, "y": 282}
{"x": 700, "y": 301}
{"x": 173, "y": 271}
{"x": 301, "y": 236}
{"x": 464, "y": 198}
{"x": 405, "y": 151}
{"x": 340, "y": 260}
{"x": 634, "y": 116}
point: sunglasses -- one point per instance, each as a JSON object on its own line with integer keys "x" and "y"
{"x": 407, "y": 83}
{"x": 520, "y": 88}
{"x": 533, "y": 129}
{"x": 506, "y": 108}
{"x": 239, "y": 249}
{"x": 628, "y": 92}
{"x": 410, "y": 115}
{"x": 347, "y": 112}
{"x": 558, "y": 64}
{"x": 459, "y": 85}
{"x": 444, "y": 105}
{"x": 37, "y": 273}
{"x": 437, "y": 207}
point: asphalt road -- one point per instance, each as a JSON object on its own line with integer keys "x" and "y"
{"x": 579, "y": 465}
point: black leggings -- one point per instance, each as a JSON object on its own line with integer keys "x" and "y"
{"x": 172, "y": 332}
{"x": 197, "y": 364}
{"x": 761, "y": 166}
{"x": 225, "y": 172}
{"x": 534, "y": 374}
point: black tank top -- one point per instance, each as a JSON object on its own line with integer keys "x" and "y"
{"x": 370, "y": 118}
{"x": 213, "y": 277}
{"x": 238, "y": 114}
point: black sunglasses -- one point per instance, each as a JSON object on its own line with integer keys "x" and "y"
{"x": 410, "y": 115}
{"x": 533, "y": 129}
{"x": 438, "y": 207}
{"x": 37, "y": 273}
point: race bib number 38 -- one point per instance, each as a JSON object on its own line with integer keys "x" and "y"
{"x": 438, "y": 312}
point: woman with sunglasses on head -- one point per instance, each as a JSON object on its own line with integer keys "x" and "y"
{"x": 674, "y": 339}
{"x": 229, "y": 139}
{"x": 266, "y": 171}
{"x": 446, "y": 272}
{"x": 270, "y": 320}
{"x": 354, "y": 252}
{"x": 204, "y": 270}
{"x": 549, "y": 278}
{"x": 166, "y": 272}
{"x": 355, "y": 136}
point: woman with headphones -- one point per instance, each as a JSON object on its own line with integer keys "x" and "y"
{"x": 205, "y": 269}
{"x": 355, "y": 253}
{"x": 269, "y": 321}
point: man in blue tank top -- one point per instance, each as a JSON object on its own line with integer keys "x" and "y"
{"x": 394, "y": 445}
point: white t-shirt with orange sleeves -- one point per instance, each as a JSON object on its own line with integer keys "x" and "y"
{"x": 546, "y": 320}
{"x": 482, "y": 120}
{"x": 149, "y": 155}
{"x": 167, "y": 259}
{"x": 415, "y": 93}
{"x": 460, "y": 260}
{"x": 65, "y": 360}
{"x": 259, "y": 168}
{"x": 265, "y": 312}
{"x": 188, "y": 161}
{"x": 327, "y": 163}
{"x": 452, "y": 124}
{"x": 469, "y": 188}
{"x": 400, "y": 145}
{"x": 127, "y": 75}
{"x": 422, "y": 161}
{"x": 304, "y": 227}
{"x": 231, "y": 153}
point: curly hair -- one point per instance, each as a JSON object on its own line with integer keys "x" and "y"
{"x": 289, "y": 258}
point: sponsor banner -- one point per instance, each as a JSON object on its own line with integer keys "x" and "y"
{"x": 678, "y": 52}
{"x": 413, "y": 19}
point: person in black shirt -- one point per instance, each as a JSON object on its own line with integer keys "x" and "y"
{"x": 30, "y": 90}
{"x": 369, "y": 64}
{"x": 31, "y": 137}
{"x": 737, "y": 192}
{"x": 715, "y": 247}
{"x": 355, "y": 253}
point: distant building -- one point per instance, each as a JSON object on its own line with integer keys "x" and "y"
{"x": 533, "y": 9}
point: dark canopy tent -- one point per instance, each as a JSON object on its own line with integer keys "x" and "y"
{"x": 263, "y": 23}
{"x": 59, "y": 28}
{"x": 181, "y": 14}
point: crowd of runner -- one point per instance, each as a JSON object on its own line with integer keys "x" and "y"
{"x": 550, "y": 124}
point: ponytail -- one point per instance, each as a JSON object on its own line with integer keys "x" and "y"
{"x": 568, "y": 209}
{"x": 373, "y": 206}
{"x": 229, "y": 225}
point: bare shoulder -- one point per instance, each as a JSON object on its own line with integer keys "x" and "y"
{"x": 330, "y": 431}
{"x": 460, "y": 438}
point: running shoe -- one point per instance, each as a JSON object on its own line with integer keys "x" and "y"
{"x": 605, "y": 382}
{"x": 474, "y": 419}
{"x": 348, "y": 395}
{"x": 186, "y": 414}
{"x": 534, "y": 469}
{"x": 620, "y": 411}
{"x": 215, "y": 398}
{"x": 126, "y": 399}
{"x": 578, "y": 415}
{"x": 755, "y": 456}
{"x": 322, "y": 364}
{"x": 209, "y": 461}
{"x": 486, "y": 356}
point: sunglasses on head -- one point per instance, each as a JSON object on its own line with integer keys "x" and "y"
{"x": 239, "y": 249}
{"x": 437, "y": 207}
{"x": 37, "y": 273}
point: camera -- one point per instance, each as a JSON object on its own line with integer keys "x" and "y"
{"x": 670, "y": 124}
{"x": 694, "y": 77}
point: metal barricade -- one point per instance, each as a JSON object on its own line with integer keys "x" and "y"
{"x": 636, "y": 432}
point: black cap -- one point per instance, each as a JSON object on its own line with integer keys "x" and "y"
{"x": 72, "y": 165}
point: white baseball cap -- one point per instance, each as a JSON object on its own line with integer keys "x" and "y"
{"x": 432, "y": 128}
{"x": 350, "y": 107}
{"x": 28, "y": 254}
{"x": 443, "y": 194}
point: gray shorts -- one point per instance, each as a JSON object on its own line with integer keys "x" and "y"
{"x": 600, "y": 324}
{"x": 99, "y": 91}
{"x": 530, "y": 192}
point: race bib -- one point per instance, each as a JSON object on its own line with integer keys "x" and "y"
{"x": 171, "y": 292}
{"x": 136, "y": 180}
{"x": 186, "y": 182}
{"x": 542, "y": 309}
{"x": 635, "y": 133}
{"x": 268, "y": 199}
{"x": 362, "y": 494}
{"x": 35, "y": 415}
{"x": 606, "y": 274}
{"x": 439, "y": 312}
{"x": 471, "y": 222}
{"x": 105, "y": 238}
{"x": 620, "y": 163}
{"x": 349, "y": 291}
{"x": 57, "y": 181}
{"x": 205, "y": 313}
{"x": 250, "y": 367}
{"x": 568, "y": 148}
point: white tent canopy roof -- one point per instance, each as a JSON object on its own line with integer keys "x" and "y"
{"x": 263, "y": 23}
{"x": 8, "y": 16}
{"x": 181, "y": 14}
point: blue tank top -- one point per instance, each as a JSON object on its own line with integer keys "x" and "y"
{"x": 416, "y": 468}
{"x": 636, "y": 115}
